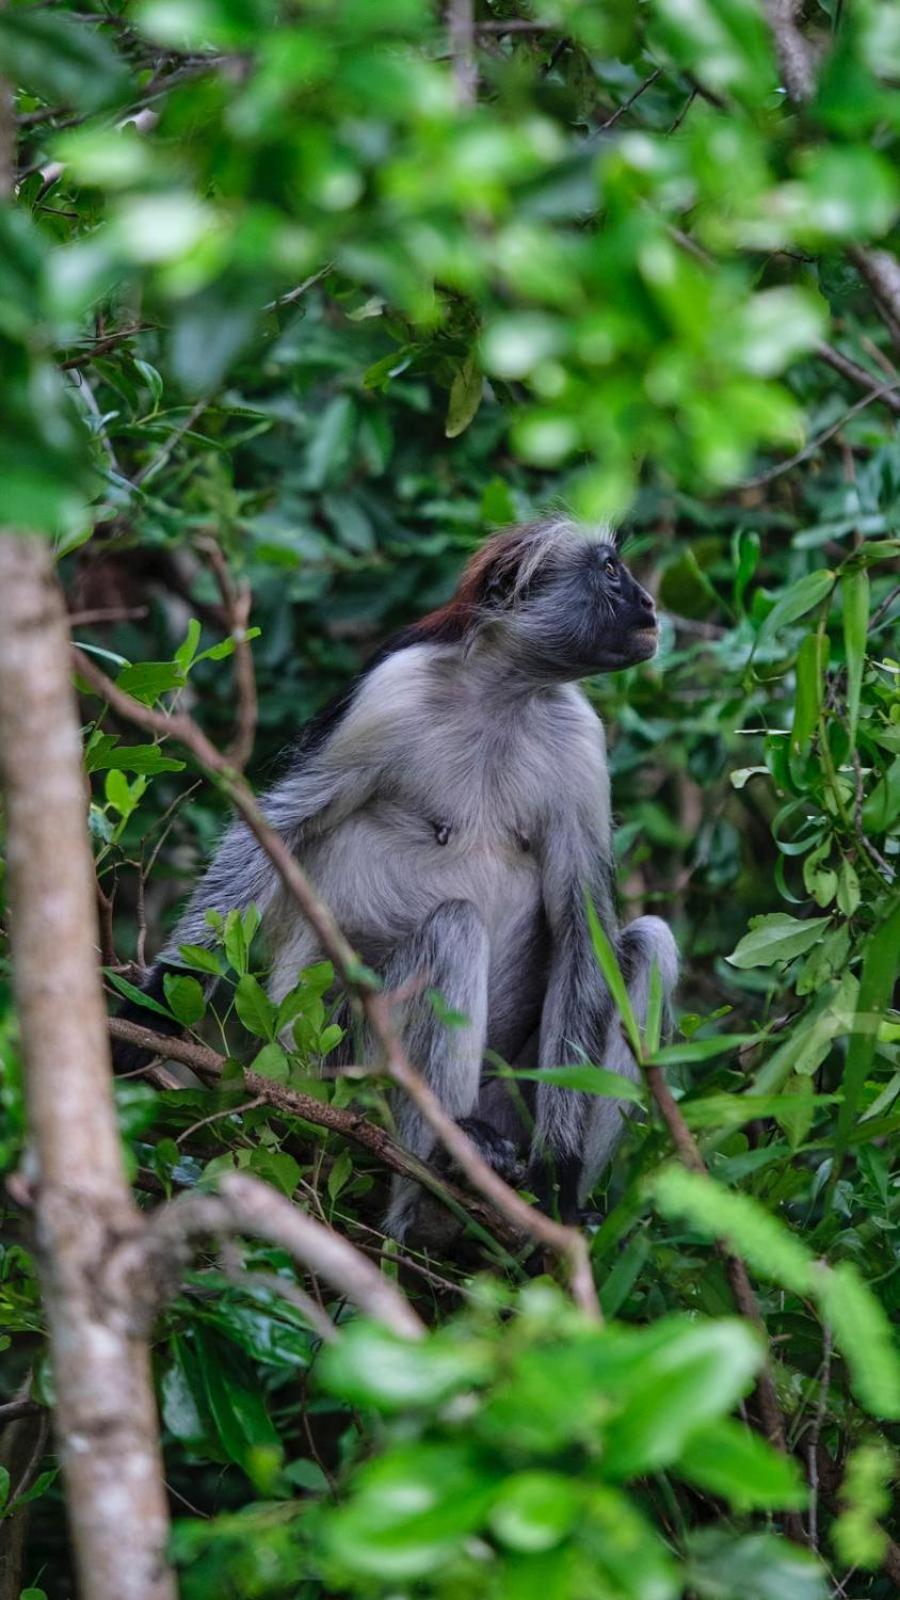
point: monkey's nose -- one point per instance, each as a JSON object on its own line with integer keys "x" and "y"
{"x": 646, "y": 604}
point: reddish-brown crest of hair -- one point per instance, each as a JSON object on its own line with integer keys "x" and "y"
{"x": 496, "y": 559}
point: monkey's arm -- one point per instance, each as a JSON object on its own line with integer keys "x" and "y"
{"x": 313, "y": 798}
{"x": 325, "y": 785}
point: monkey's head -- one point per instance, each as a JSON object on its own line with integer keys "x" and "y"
{"x": 563, "y": 604}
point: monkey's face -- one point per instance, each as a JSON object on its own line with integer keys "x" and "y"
{"x": 582, "y": 612}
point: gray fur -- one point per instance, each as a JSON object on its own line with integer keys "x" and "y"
{"x": 453, "y": 818}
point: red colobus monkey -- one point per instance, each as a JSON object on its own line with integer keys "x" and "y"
{"x": 452, "y": 807}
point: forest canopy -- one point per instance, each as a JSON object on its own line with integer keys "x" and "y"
{"x": 299, "y": 303}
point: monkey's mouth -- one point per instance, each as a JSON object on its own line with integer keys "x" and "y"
{"x": 643, "y": 641}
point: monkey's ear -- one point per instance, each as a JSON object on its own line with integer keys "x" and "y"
{"x": 499, "y": 586}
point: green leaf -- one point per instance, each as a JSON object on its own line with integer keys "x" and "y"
{"x": 186, "y": 998}
{"x": 340, "y": 1174}
{"x": 855, "y": 591}
{"x": 132, "y": 992}
{"x": 865, "y": 1496}
{"x": 587, "y": 1080}
{"x": 147, "y": 681}
{"x": 807, "y": 592}
{"x": 196, "y": 955}
{"x": 254, "y": 1007}
{"x": 747, "y": 1227}
{"x": 726, "y": 1459}
{"x": 757, "y": 1566}
{"x": 812, "y": 659}
{"x": 695, "y": 1375}
{"x": 271, "y": 1062}
{"x": 612, "y": 972}
{"x": 881, "y": 962}
{"x": 672, "y": 1055}
{"x": 187, "y": 650}
{"x": 54, "y": 55}
{"x": 864, "y": 1336}
{"x": 373, "y": 1367}
{"x": 535, "y": 1510}
{"x": 777, "y": 937}
{"x": 465, "y": 397}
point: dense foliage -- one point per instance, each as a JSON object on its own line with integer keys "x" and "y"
{"x": 337, "y": 287}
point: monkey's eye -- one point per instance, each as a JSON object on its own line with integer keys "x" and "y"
{"x": 610, "y": 567}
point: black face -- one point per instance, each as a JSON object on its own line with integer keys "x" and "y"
{"x": 583, "y": 612}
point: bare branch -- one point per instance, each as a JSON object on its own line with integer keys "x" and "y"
{"x": 244, "y": 1205}
{"x": 854, "y": 373}
{"x": 881, "y": 271}
{"x": 821, "y": 438}
{"x": 105, "y": 1418}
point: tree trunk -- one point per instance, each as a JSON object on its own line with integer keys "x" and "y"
{"x": 105, "y": 1420}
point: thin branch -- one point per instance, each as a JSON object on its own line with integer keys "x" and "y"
{"x": 217, "y": 1116}
{"x": 297, "y": 294}
{"x": 101, "y": 346}
{"x": 820, "y": 439}
{"x": 10, "y": 1410}
{"x": 627, "y": 104}
{"x": 881, "y": 271}
{"x": 853, "y": 372}
{"x": 99, "y": 614}
{"x": 244, "y": 1205}
{"x": 158, "y": 461}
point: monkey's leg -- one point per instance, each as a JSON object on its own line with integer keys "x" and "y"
{"x": 450, "y": 952}
{"x": 645, "y": 942}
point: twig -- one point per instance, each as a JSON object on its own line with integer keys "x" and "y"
{"x": 237, "y": 602}
{"x": 884, "y": 608}
{"x": 244, "y": 1205}
{"x": 162, "y": 455}
{"x": 10, "y": 1410}
{"x": 567, "y": 1243}
{"x": 883, "y": 867}
{"x": 217, "y": 1116}
{"x": 86, "y": 619}
{"x": 881, "y": 271}
{"x": 100, "y": 346}
{"x": 627, "y": 104}
{"x": 813, "y": 1442}
{"x": 298, "y": 293}
{"x": 821, "y": 438}
{"x": 853, "y": 372}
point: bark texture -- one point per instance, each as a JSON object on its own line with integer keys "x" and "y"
{"x": 105, "y": 1421}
